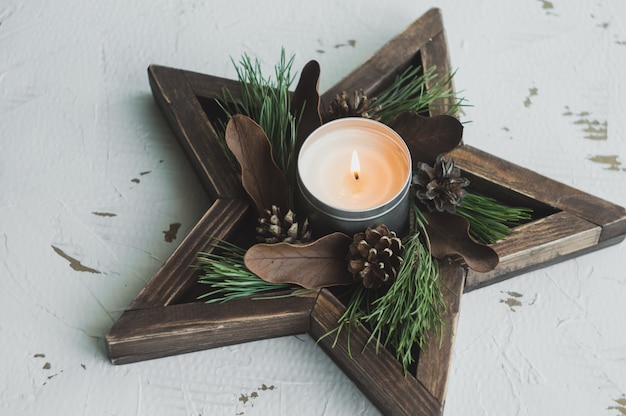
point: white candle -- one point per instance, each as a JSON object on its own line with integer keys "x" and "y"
{"x": 354, "y": 172}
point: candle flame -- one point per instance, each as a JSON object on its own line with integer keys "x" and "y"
{"x": 355, "y": 166}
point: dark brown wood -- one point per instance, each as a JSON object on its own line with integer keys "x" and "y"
{"x": 434, "y": 53}
{"x": 179, "y": 102}
{"x": 165, "y": 318}
{"x": 579, "y": 223}
{"x": 204, "y": 85}
{"x": 156, "y": 324}
{"x": 149, "y": 333}
{"x": 435, "y": 357}
{"x": 380, "y": 375}
{"x": 540, "y": 242}
{"x": 611, "y": 217}
{"x": 474, "y": 281}
{"x": 177, "y": 275}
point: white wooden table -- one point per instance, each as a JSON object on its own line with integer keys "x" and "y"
{"x": 95, "y": 194}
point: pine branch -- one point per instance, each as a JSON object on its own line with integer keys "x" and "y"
{"x": 412, "y": 307}
{"x": 490, "y": 220}
{"x": 267, "y": 101}
{"x": 227, "y": 276}
{"x": 409, "y": 92}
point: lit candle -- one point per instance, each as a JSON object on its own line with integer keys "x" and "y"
{"x": 354, "y": 173}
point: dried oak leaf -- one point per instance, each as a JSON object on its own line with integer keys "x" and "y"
{"x": 449, "y": 234}
{"x": 427, "y": 137}
{"x": 260, "y": 176}
{"x": 305, "y": 102}
{"x": 321, "y": 263}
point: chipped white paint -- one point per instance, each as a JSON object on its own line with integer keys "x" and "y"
{"x": 90, "y": 169}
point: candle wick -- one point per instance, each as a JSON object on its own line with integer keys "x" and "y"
{"x": 356, "y": 175}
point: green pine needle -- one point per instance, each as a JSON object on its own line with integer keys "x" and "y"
{"x": 412, "y": 307}
{"x": 409, "y": 93}
{"x": 491, "y": 221}
{"x": 267, "y": 101}
{"x": 223, "y": 269}
{"x": 410, "y": 310}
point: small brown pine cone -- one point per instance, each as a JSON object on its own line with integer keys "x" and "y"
{"x": 359, "y": 106}
{"x": 275, "y": 228}
{"x": 440, "y": 187}
{"x": 375, "y": 256}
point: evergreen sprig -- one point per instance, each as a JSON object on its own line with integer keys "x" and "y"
{"x": 417, "y": 90}
{"x": 267, "y": 101}
{"x": 224, "y": 270}
{"x": 491, "y": 221}
{"x": 410, "y": 310}
{"x": 413, "y": 305}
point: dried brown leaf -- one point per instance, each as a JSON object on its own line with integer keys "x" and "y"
{"x": 427, "y": 137}
{"x": 321, "y": 263}
{"x": 449, "y": 234}
{"x": 260, "y": 176}
{"x": 305, "y": 102}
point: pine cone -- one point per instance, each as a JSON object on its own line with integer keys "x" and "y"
{"x": 343, "y": 107}
{"x": 375, "y": 256}
{"x": 440, "y": 187}
{"x": 274, "y": 228}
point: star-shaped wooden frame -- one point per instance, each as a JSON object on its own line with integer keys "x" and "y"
{"x": 166, "y": 319}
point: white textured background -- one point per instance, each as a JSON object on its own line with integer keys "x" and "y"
{"x": 91, "y": 178}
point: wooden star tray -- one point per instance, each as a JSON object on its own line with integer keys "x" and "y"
{"x": 166, "y": 319}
